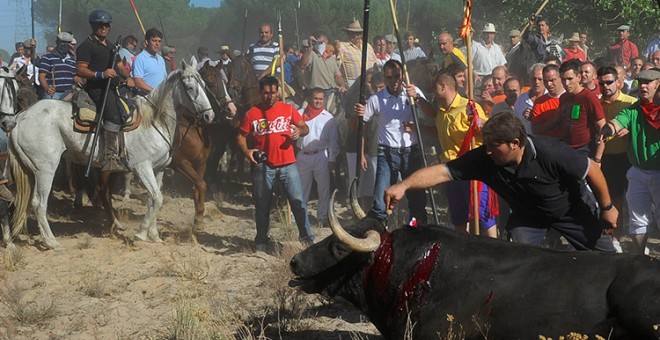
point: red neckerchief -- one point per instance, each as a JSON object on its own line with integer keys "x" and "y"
{"x": 381, "y": 56}
{"x": 311, "y": 113}
{"x": 652, "y": 113}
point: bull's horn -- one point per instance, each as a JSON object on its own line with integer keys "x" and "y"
{"x": 360, "y": 245}
{"x": 355, "y": 204}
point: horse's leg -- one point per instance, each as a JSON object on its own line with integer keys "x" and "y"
{"x": 196, "y": 176}
{"x": 128, "y": 177}
{"x": 148, "y": 229}
{"x": 105, "y": 192}
{"x": 43, "y": 181}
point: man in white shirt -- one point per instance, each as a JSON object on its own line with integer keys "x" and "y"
{"x": 487, "y": 54}
{"x": 398, "y": 143}
{"x": 318, "y": 151}
{"x": 523, "y": 107}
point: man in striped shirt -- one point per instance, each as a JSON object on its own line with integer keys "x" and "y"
{"x": 263, "y": 52}
{"x": 58, "y": 69}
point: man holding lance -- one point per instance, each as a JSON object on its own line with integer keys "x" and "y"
{"x": 95, "y": 62}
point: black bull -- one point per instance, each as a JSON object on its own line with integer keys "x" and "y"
{"x": 489, "y": 287}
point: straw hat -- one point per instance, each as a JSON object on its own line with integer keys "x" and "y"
{"x": 353, "y": 27}
{"x": 489, "y": 28}
{"x": 575, "y": 37}
{"x": 223, "y": 49}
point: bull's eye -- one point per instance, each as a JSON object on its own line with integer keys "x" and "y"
{"x": 338, "y": 250}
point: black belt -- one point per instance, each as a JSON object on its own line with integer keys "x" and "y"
{"x": 401, "y": 150}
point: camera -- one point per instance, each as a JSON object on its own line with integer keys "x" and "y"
{"x": 259, "y": 156}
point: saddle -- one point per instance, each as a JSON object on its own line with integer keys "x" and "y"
{"x": 84, "y": 112}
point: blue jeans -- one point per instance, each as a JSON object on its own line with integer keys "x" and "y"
{"x": 263, "y": 177}
{"x": 56, "y": 95}
{"x": 392, "y": 162}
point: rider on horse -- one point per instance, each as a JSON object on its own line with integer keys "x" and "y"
{"x": 95, "y": 62}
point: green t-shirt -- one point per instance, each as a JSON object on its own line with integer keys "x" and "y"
{"x": 644, "y": 139}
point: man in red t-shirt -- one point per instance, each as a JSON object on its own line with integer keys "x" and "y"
{"x": 274, "y": 126}
{"x": 544, "y": 117}
{"x": 580, "y": 112}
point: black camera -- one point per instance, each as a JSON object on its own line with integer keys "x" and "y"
{"x": 259, "y": 156}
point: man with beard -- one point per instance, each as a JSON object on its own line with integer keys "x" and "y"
{"x": 642, "y": 120}
{"x": 542, "y": 179}
{"x": 57, "y": 69}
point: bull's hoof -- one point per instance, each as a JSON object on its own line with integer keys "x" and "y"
{"x": 11, "y": 247}
{"x": 53, "y": 245}
{"x": 198, "y": 222}
{"x": 155, "y": 239}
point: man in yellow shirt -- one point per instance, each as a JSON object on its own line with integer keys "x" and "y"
{"x": 453, "y": 123}
{"x": 615, "y": 162}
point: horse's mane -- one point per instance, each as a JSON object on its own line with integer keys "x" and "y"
{"x": 159, "y": 100}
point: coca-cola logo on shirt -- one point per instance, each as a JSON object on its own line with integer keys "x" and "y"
{"x": 264, "y": 127}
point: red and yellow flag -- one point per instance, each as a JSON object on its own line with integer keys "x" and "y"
{"x": 467, "y": 18}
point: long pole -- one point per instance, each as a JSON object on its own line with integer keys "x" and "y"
{"x": 137, "y": 16}
{"x": 295, "y": 11}
{"x": 59, "y": 19}
{"x": 535, "y": 14}
{"x": 162, "y": 29}
{"x": 363, "y": 94}
{"x": 412, "y": 104}
{"x": 99, "y": 115}
{"x": 244, "y": 28}
{"x": 470, "y": 85}
{"x": 281, "y": 62}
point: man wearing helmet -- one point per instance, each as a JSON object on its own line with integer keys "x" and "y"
{"x": 95, "y": 62}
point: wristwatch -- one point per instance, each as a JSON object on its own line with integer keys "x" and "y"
{"x": 607, "y": 207}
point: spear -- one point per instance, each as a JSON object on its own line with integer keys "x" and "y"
{"x": 412, "y": 103}
{"x": 138, "y": 17}
{"x": 162, "y": 29}
{"x": 59, "y": 19}
{"x": 295, "y": 11}
{"x": 244, "y": 28}
{"x": 363, "y": 95}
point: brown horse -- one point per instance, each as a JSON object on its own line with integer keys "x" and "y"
{"x": 193, "y": 142}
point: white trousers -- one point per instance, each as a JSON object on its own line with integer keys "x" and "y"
{"x": 315, "y": 168}
{"x": 643, "y": 198}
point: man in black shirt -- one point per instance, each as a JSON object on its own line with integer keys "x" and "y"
{"x": 95, "y": 62}
{"x": 542, "y": 179}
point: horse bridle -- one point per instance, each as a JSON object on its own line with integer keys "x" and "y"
{"x": 9, "y": 84}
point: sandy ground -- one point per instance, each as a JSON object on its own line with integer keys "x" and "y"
{"x": 108, "y": 287}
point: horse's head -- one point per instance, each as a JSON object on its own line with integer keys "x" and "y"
{"x": 8, "y": 97}
{"x": 195, "y": 91}
{"x": 242, "y": 82}
{"x": 217, "y": 90}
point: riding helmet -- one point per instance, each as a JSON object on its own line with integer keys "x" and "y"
{"x": 100, "y": 16}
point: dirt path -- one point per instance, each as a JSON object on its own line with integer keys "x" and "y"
{"x": 108, "y": 287}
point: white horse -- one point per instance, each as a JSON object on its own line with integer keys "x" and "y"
{"x": 8, "y": 107}
{"x": 44, "y": 133}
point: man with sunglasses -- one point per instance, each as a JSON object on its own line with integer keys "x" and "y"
{"x": 642, "y": 120}
{"x": 95, "y": 62}
{"x": 615, "y": 161}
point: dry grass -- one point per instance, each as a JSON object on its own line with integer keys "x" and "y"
{"x": 27, "y": 310}
{"x": 85, "y": 242}
{"x": 190, "y": 266}
{"x": 93, "y": 284}
{"x": 13, "y": 259}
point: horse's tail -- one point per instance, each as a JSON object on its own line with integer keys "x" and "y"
{"x": 23, "y": 192}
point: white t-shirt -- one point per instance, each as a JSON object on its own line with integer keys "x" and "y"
{"x": 523, "y": 103}
{"x": 486, "y": 59}
{"x": 390, "y": 113}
